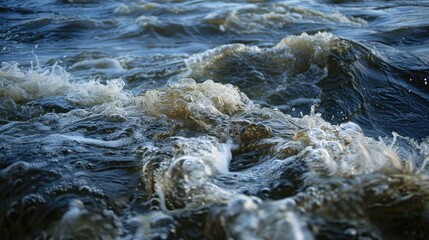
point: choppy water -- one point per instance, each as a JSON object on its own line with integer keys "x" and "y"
{"x": 214, "y": 119}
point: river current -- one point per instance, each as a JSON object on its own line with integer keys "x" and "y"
{"x": 214, "y": 119}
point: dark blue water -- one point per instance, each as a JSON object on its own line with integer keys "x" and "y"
{"x": 214, "y": 119}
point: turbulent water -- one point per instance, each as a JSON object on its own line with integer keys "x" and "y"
{"x": 214, "y": 119}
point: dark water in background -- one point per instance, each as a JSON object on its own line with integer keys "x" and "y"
{"x": 314, "y": 125}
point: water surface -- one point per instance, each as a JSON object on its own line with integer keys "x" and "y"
{"x": 214, "y": 119}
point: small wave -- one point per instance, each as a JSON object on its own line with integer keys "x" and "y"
{"x": 254, "y": 18}
{"x": 101, "y": 63}
{"x": 275, "y": 76}
{"x": 148, "y": 21}
{"x": 260, "y": 18}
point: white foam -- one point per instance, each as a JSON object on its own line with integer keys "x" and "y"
{"x": 313, "y": 47}
{"x": 196, "y": 102}
{"x": 26, "y": 86}
{"x": 145, "y": 21}
{"x": 341, "y": 150}
{"x": 21, "y": 86}
{"x": 248, "y": 218}
{"x": 258, "y": 18}
{"x": 122, "y": 9}
{"x": 94, "y": 93}
{"x": 186, "y": 183}
{"x": 214, "y": 154}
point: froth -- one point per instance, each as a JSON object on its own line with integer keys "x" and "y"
{"x": 183, "y": 174}
{"x": 148, "y": 21}
{"x": 315, "y": 47}
{"x": 256, "y": 19}
{"x": 196, "y": 102}
{"x": 23, "y": 86}
{"x": 214, "y": 154}
{"x": 333, "y": 150}
{"x": 248, "y": 218}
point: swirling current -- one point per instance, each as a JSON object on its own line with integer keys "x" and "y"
{"x": 198, "y": 119}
